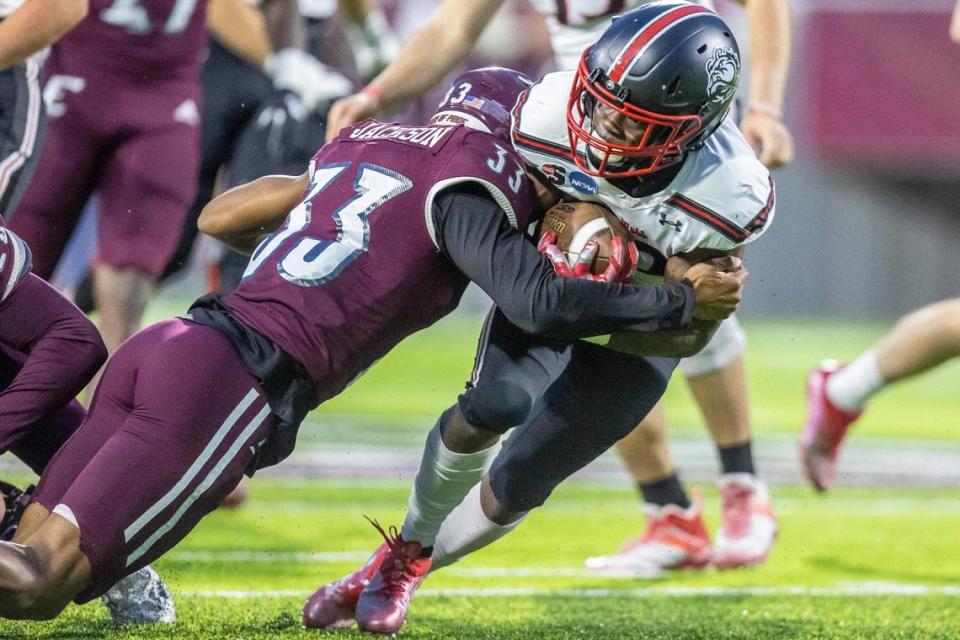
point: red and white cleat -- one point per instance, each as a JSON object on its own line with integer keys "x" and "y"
{"x": 675, "y": 538}
{"x": 384, "y": 602}
{"x": 335, "y": 605}
{"x": 749, "y": 527}
{"x": 825, "y": 429}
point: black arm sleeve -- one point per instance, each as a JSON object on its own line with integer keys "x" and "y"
{"x": 474, "y": 234}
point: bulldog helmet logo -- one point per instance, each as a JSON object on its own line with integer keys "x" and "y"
{"x": 723, "y": 72}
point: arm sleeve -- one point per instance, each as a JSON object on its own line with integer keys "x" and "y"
{"x": 475, "y": 235}
{"x": 63, "y": 350}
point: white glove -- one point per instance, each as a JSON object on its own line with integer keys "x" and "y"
{"x": 312, "y": 81}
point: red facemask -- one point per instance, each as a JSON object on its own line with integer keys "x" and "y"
{"x": 661, "y": 144}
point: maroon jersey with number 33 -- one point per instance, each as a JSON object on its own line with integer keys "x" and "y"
{"x": 356, "y": 267}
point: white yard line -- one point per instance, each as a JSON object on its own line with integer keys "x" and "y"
{"x": 335, "y": 557}
{"x": 855, "y": 589}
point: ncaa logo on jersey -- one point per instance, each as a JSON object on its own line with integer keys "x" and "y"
{"x": 583, "y": 183}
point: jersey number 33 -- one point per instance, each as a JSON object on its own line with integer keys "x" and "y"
{"x": 314, "y": 261}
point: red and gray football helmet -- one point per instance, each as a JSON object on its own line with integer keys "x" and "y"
{"x": 661, "y": 78}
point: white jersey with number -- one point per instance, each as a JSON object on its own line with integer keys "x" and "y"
{"x": 576, "y": 24}
{"x": 722, "y": 198}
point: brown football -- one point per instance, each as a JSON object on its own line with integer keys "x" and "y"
{"x": 576, "y": 223}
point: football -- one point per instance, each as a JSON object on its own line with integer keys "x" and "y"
{"x": 576, "y": 223}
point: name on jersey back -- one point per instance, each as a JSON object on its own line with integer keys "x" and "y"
{"x": 428, "y": 137}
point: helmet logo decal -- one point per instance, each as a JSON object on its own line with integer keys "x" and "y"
{"x": 723, "y": 72}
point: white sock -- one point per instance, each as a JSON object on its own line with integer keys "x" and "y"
{"x": 466, "y": 530}
{"x": 66, "y": 513}
{"x": 851, "y": 387}
{"x": 443, "y": 480}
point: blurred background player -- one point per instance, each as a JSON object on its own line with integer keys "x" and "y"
{"x": 837, "y": 395}
{"x": 26, "y": 29}
{"x": 716, "y": 375}
{"x": 264, "y": 110}
{"x": 122, "y": 95}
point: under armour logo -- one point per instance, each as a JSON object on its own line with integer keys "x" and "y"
{"x": 676, "y": 224}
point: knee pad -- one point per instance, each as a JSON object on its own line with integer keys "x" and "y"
{"x": 727, "y": 343}
{"x": 517, "y": 492}
{"x": 497, "y": 407}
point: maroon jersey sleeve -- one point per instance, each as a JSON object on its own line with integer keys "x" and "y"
{"x": 488, "y": 163}
{"x": 62, "y": 351}
{"x": 14, "y": 262}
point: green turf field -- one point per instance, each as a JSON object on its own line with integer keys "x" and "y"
{"x": 859, "y": 563}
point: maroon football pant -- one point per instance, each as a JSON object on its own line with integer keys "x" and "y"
{"x": 36, "y": 443}
{"x": 137, "y": 147}
{"x": 174, "y": 423}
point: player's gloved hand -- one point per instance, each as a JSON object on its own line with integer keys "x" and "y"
{"x": 622, "y": 260}
{"x": 580, "y": 268}
{"x": 718, "y": 290}
{"x": 313, "y": 82}
{"x": 354, "y": 108}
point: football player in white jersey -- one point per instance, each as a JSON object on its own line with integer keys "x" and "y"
{"x": 715, "y": 375}
{"x": 640, "y": 127}
{"x": 837, "y": 395}
{"x": 26, "y": 29}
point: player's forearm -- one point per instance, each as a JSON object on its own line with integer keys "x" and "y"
{"x": 477, "y": 238}
{"x": 64, "y": 352}
{"x": 955, "y": 23}
{"x": 242, "y": 216}
{"x": 241, "y": 28}
{"x": 36, "y": 25}
{"x": 434, "y": 50}
{"x": 768, "y": 22}
{"x": 669, "y": 343}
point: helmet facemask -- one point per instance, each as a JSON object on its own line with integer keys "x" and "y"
{"x": 613, "y": 138}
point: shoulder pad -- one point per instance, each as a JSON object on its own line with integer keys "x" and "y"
{"x": 539, "y": 120}
{"x": 729, "y": 191}
{"x": 490, "y": 163}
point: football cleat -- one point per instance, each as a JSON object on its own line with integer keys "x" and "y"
{"x": 749, "y": 527}
{"x": 335, "y": 605}
{"x": 14, "y": 502}
{"x": 825, "y": 429}
{"x": 383, "y": 605}
{"x": 140, "y": 598}
{"x": 675, "y": 538}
